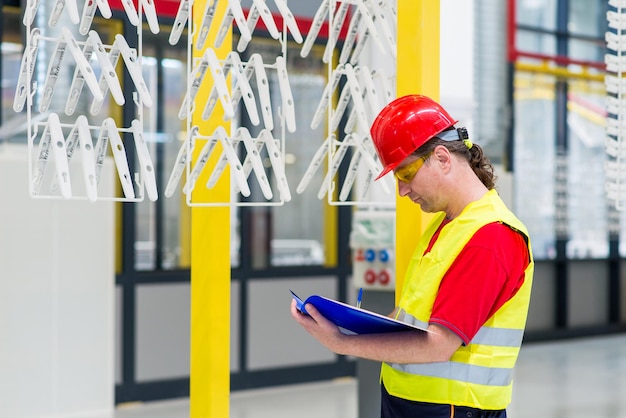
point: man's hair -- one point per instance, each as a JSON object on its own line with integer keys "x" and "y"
{"x": 481, "y": 165}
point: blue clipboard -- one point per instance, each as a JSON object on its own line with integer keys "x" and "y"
{"x": 353, "y": 320}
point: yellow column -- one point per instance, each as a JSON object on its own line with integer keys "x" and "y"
{"x": 210, "y": 260}
{"x": 417, "y": 72}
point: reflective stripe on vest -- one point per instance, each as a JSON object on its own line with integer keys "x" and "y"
{"x": 460, "y": 371}
{"x": 501, "y": 337}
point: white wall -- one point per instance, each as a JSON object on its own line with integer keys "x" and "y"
{"x": 56, "y": 300}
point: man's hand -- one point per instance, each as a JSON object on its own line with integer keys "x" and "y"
{"x": 319, "y": 327}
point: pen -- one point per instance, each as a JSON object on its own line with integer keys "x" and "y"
{"x": 358, "y": 299}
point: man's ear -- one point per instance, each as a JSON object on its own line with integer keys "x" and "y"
{"x": 441, "y": 154}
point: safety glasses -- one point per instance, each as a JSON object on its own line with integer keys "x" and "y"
{"x": 406, "y": 173}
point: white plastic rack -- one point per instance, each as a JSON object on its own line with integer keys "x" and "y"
{"x": 615, "y": 82}
{"x": 61, "y": 135}
{"x": 366, "y": 91}
{"x": 271, "y": 139}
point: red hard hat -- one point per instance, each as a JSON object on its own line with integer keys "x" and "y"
{"x": 404, "y": 125}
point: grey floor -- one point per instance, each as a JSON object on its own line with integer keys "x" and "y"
{"x": 572, "y": 379}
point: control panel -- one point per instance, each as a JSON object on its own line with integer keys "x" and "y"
{"x": 372, "y": 241}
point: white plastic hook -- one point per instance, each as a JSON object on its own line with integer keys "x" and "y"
{"x": 278, "y": 164}
{"x": 26, "y": 70}
{"x": 182, "y": 17}
{"x": 130, "y": 59}
{"x": 241, "y": 88}
{"x": 145, "y": 161}
{"x": 288, "y": 107}
{"x": 219, "y": 84}
{"x": 290, "y": 20}
{"x": 113, "y": 57}
{"x": 203, "y": 158}
{"x": 182, "y": 158}
{"x": 253, "y": 161}
{"x": 108, "y": 71}
{"x": 314, "y": 30}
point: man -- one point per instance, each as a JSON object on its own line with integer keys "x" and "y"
{"x": 468, "y": 281}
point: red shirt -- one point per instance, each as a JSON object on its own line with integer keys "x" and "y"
{"x": 485, "y": 275}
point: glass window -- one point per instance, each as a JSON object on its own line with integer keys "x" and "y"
{"x": 535, "y": 159}
{"x": 587, "y": 17}
{"x": 539, "y": 43}
{"x": 588, "y": 228}
{"x": 537, "y": 13}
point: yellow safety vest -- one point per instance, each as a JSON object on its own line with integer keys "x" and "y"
{"x": 478, "y": 375}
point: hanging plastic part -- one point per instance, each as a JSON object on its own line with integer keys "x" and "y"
{"x": 113, "y": 57}
{"x": 42, "y": 161}
{"x": 79, "y": 137}
{"x": 234, "y": 12}
{"x": 236, "y": 169}
{"x": 256, "y": 66}
{"x": 78, "y": 82}
{"x": 30, "y": 11}
{"x": 105, "y": 9}
{"x": 368, "y": 17}
{"x": 348, "y": 182}
{"x": 130, "y": 59}
{"x": 289, "y": 111}
{"x": 219, "y": 167}
{"x": 241, "y": 86}
{"x": 26, "y": 70}
{"x": 222, "y": 162}
{"x": 334, "y": 162}
{"x": 203, "y": 158}
{"x": 258, "y": 10}
{"x": 253, "y": 160}
{"x": 89, "y": 11}
{"x": 314, "y": 30}
{"x": 197, "y": 76}
{"x": 278, "y": 164}
{"x": 357, "y": 98}
{"x": 181, "y": 161}
{"x": 145, "y": 161}
{"x": 219, "y": 84}
{"x": 386, "y": 90}
{"x": 59, "y": 153}
{"x": 108, "y": 71}
{"x": 329, "y": 90}
{"x": 289, "y": 19}
{"x": 52, "y": 75}
{"x": 366, "y": 148}
{"x": 342, "y": 105}
{"x": 59, "y": 5}
{"x": 119, "y": 156}
{"x": 100, "y": 150}
{"x": 205, "y": 26}
{"x": 88, "y": 157}
{"x": 83, "y": 64}
{"x": 52, "y": 143}
{"x": 370, "y": 93}
{"x": 316, "y": 162}
{"x": 131, "y": 12}
{"x": 182, "y": 17}
{"x": 338, "y": 20}
{"x": 379, "y": 12}
{"x": 348, "y": 44}
{"x": 151, "y": 15}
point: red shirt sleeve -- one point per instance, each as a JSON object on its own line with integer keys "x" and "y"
{"x": 485, "y": 275}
